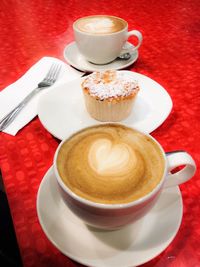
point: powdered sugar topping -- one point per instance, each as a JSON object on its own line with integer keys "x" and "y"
{"x": 110, "y": 84}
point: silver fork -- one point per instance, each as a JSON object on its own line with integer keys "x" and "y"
{"x": 49, "y": 80}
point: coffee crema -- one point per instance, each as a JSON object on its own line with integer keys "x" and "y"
{"x": 100, "y": 24}
{"x": 110, "y": 164}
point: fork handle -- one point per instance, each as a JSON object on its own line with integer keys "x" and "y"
{"x": 13, "y": 113}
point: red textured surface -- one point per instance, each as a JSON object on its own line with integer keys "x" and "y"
{"x": 170, "y": 54}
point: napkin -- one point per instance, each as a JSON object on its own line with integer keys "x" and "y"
{"x": 12, "y": 95}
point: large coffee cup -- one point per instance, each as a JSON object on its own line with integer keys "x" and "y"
{"x": 100, "y": 38}
{"x": 110, "y": 175}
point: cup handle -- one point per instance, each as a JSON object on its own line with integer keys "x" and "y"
{"x": 139, "y": 37}
{"x": 176, "y": 159}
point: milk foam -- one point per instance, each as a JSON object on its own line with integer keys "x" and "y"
{"x": 110, "y": 163}
{"x": 100, "y": 24}
{"x": 106, "y": 158}
{"x": 97, "y": 25}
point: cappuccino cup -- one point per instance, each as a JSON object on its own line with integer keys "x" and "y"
{"x": 111, "y": 175}
{"x": 100, "y": 38}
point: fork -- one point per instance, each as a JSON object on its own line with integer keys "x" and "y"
{"x": 49, "y": 80}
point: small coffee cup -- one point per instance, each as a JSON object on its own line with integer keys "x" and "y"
{"x": 100, "y": 38}
{"x": 121, "y": 151}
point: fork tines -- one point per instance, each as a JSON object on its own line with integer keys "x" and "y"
{"x": 53, "y": 72}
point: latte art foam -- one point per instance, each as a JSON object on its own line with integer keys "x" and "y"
{"x": 100, "y": 24}
{"x": 108, "y": 159}
{"x": 110, "y": 164}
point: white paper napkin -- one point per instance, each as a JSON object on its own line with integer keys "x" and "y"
{"x": 12, "y": 95}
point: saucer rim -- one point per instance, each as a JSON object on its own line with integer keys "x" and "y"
{"x": 89, "y": 70}
{"x": 48, "y": 174}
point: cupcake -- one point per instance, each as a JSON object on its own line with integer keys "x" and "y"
{"x": 109, "y": 95}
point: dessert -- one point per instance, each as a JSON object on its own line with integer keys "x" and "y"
{"x": 109, "y": 95}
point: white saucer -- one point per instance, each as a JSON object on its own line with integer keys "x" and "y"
{"x": 62, "y": 110}
{"x": 75, "y": 59}
{"x": 131, "y": 246}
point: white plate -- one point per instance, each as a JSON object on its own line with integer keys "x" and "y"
{"x": 75, "y": 59}
{"x": 62, "y": 110}
{"x": 130, "y": 246}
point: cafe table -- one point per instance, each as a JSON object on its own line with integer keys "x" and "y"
{"x": 169, "y": 54}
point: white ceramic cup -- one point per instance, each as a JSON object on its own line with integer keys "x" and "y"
{"x": 114, "y": 216}
{"x": 104, "y": 48}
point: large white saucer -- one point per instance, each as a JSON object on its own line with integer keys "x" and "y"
{"x": 62, "y": 110}
{"x": 130, "y": 246}
{"x": 75, "y": 59}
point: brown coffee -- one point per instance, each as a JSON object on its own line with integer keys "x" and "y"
{"x": 110, "y": 163}
{"x": 100, "y": 24}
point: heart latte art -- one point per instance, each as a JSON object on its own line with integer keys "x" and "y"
{"x": 106, "y": 158}
{"x": 110, "y": 163}
{"x": 100, "y": 24}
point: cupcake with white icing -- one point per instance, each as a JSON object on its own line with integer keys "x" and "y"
{"x": 109, "y": 95}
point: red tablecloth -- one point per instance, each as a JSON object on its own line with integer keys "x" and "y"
{"x": 170, "y": 54}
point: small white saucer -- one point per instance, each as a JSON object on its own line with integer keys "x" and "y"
{"x": 130, "y": 246}
{"x": 75, "y": 59}
{"x": 62, "y": 110}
